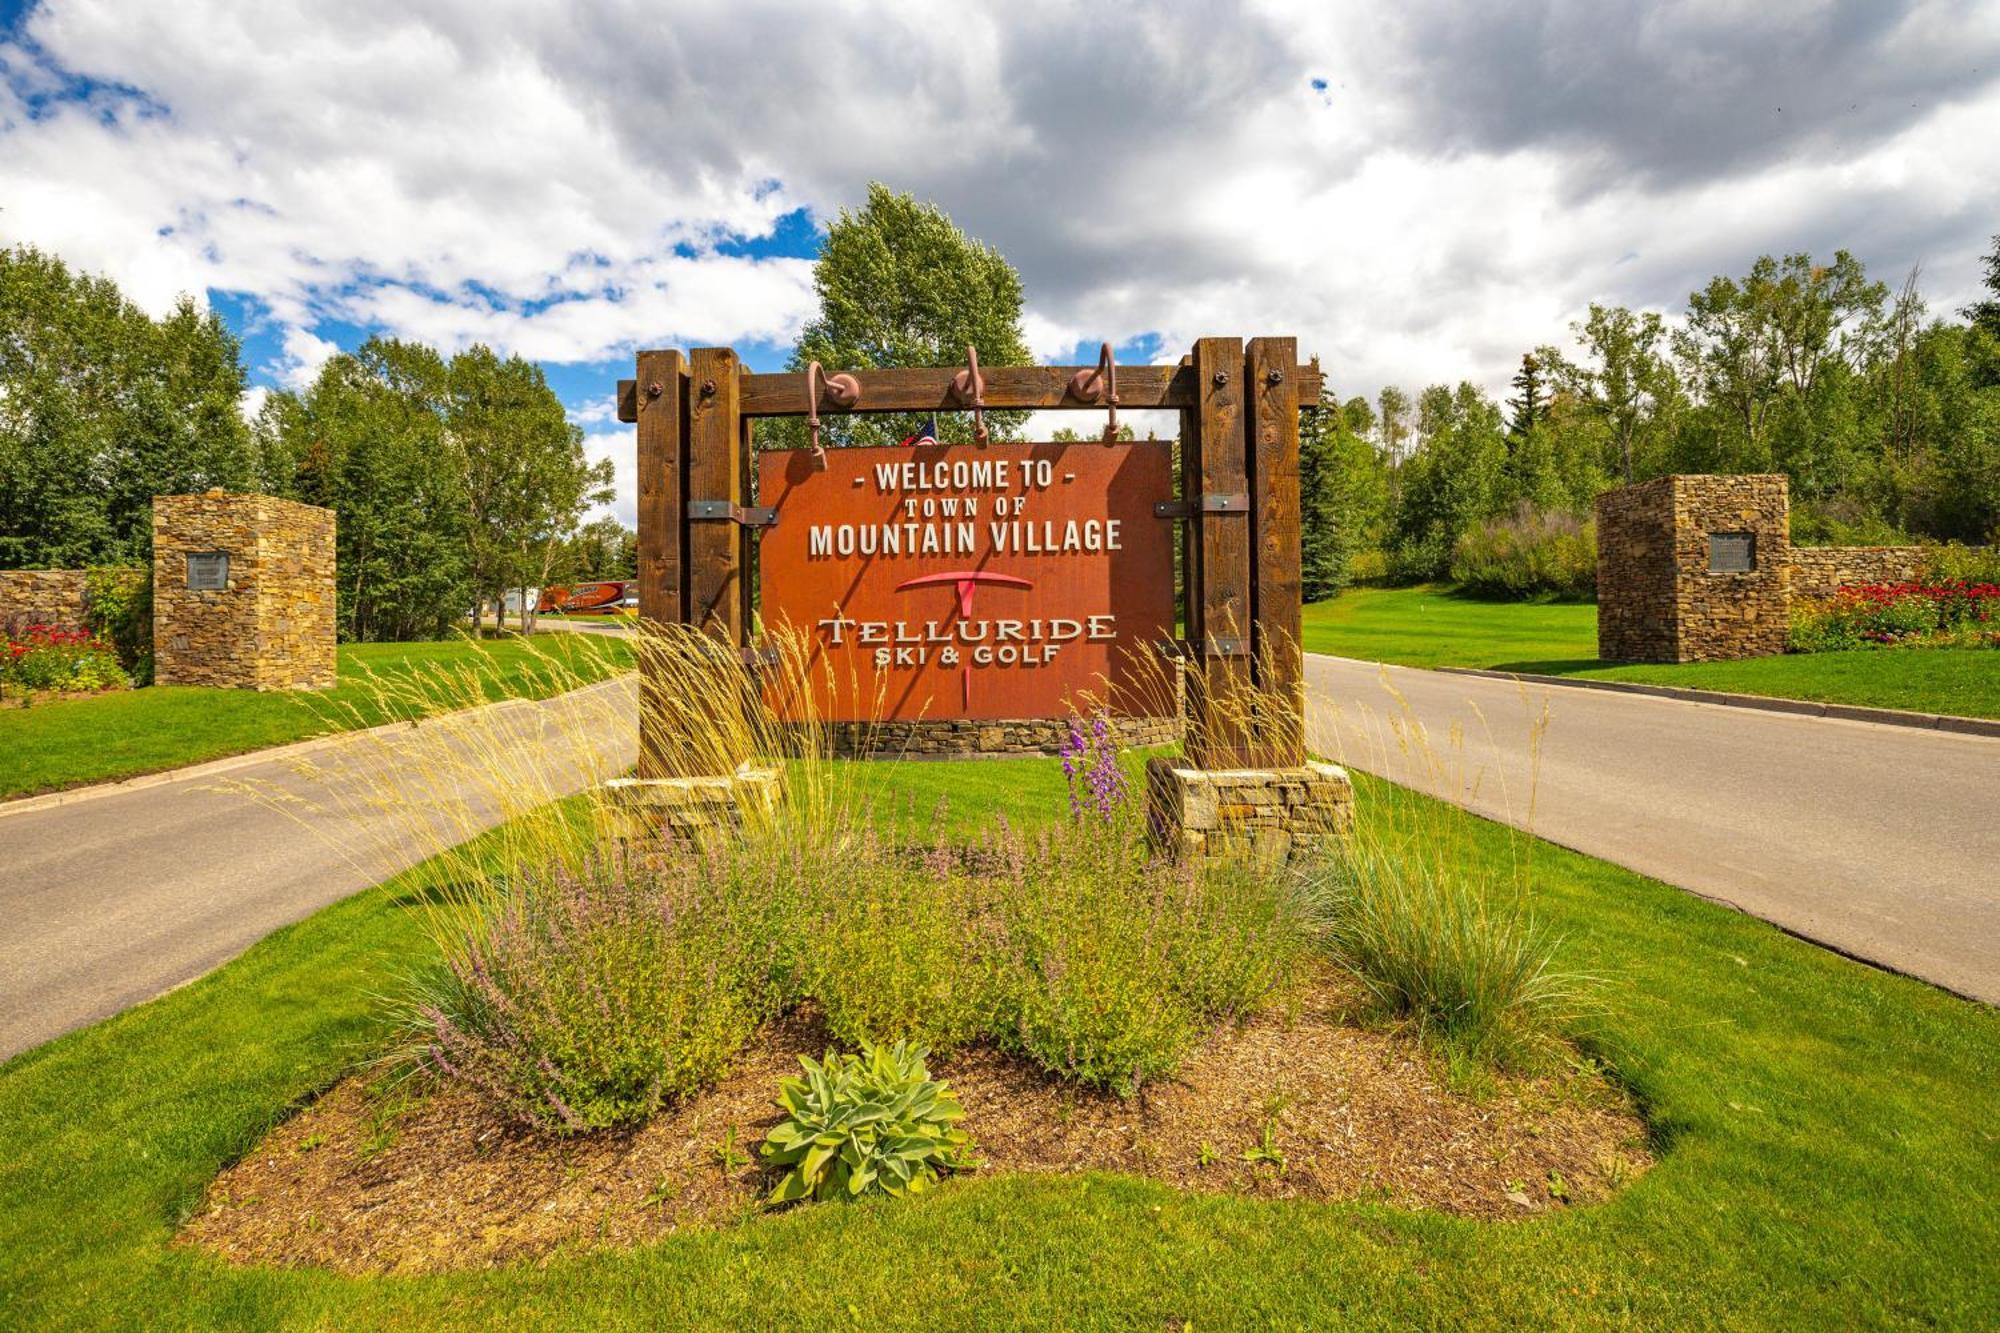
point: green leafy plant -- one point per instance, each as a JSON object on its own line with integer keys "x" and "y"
{"x": 1266, "y": 1152}
{"x": 873, "y": 1122}
{"x": 727, "y": 1155}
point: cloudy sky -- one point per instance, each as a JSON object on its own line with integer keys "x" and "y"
{"x": 1418, "y": 190}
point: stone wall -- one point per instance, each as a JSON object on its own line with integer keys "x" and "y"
{"x": 57, "y": 597}
{"x": 1665, "y": 588}
{"x": 1278, "y": 814}
{"x": 42, "y": 597}
{"x": 271, "y": 626}
{"x": 965, "y": 738}
{"x": 1818, "y": 572}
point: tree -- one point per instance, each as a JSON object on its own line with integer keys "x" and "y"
{"x": 101, "y": 409}
{"x": 527, "y": 482}
{"x": 603, "y": 548}
{"x": 1627, "y": 384}
{"x": 1452, "y": 480}
{"x": 900, "y": 285}
{"x": 1530, "y": 401}
{"x": 1343, "y": 494}
{"x": 368, "y": 441}
{"x": 1759, "y": 352}
{"x": 1986, "y": 314}
{"x": 1393, "y": 409}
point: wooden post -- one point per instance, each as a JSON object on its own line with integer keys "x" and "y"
{"x": 1214, "y": 475}
{"x": 662, "y": 460}
{"x": 1276, "y": 659}
{"x": 715, "y": 473}
{"x": 717, "y": 589}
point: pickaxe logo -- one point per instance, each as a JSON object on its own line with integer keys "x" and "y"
{"x": 967, "y": 581}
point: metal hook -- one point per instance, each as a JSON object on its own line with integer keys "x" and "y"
{"x": 1100, "y": 386}
{"x": 968, "y": 389}
{"x": 844, "y": 390}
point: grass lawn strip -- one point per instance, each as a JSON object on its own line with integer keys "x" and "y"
{"x": 1432, "y": 626}
{"x": 125, "y": 733}
{"x": 1826, "y": 1131}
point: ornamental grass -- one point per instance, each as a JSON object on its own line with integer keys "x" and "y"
{"x": 587, "y": 974}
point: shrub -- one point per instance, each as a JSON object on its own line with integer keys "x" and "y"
{"x": 589, "y": 997}
{"x": 47, "y": 658}
{"x": 1528, "y": 552}
{"x": 897, "y": 954}
{"x": 1119, "y": 963}
{"x": 1955, "y": 563}
{"x": 121, "y": 614}
{"x": 1368, "y": 566}
{"x": 1432, "y": 946}
{"x": 874, "y": 1123}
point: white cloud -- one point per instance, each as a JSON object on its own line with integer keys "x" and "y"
{"x": 304, "y": 354}
{"x": 559, "y": 180}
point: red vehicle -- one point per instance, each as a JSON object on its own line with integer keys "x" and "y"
{"x": 584, "y": 599}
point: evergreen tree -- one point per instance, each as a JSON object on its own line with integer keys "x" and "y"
{"x": 1530, "y": 400}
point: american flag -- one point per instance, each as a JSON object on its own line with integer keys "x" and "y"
{"x": 928, "y": 435}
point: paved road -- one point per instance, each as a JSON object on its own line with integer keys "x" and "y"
{"x": 1880, "y": 841}
{"x": 112, "y": 899}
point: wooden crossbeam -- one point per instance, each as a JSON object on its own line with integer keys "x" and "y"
{"x": 1007, "y": 388}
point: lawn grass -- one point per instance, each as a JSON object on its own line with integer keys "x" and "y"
{"x": 128, "y": 732}
{"x": 1964, "y": 682}
{"x": 1828, "y": 1158}
{"x": 1434, "y": 625}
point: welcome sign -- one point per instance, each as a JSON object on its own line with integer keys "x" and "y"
{"x": 955, "y": 581}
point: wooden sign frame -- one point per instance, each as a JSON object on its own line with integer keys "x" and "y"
{"x": 1239, "y": 505}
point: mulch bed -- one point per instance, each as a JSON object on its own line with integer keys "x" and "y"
{"x": 422, "y": 1180}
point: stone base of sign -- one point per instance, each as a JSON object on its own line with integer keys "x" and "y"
{"x": 1271, "y": 813}
{"x": 648, "y": 810}
{"x": 973, "y": 737}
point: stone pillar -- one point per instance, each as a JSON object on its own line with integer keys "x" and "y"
{"x": 1276, "y": 813}
{"x": 243, "y": 593}
{"x": 1693, "y": 569}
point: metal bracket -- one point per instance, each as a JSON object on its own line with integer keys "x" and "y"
{"x": 1234, "y": 502}
{"x": 750, "y": 516}
{"x": 1217, "y": 645}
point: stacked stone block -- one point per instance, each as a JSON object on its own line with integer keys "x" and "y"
{"x": 1270, "y": 814}
{"x": 646, "y": 810}
{"x": 1659, "y": 596}
{"x": 271, "y": 626}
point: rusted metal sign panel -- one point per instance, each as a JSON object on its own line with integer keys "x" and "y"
{"x": 980, "y": 583}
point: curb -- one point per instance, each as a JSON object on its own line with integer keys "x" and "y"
{"x": 1888, "y": 717}
{"x": 208, "y": 768}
